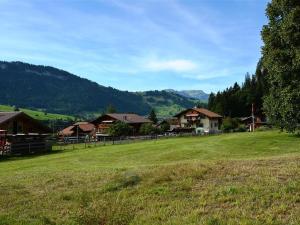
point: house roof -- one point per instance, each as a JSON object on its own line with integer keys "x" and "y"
{"x": 130, "y": 118}
{"x": 203, "y": 111}
{"x": 67, "y": 131}
{"x": 6, "y": 116}
{"x": 84, "y": 126}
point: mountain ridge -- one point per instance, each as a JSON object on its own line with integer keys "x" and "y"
{"x": 58, "y": 91}
{"x": 196, "y": 94}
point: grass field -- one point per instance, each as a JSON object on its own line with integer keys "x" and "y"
{"x": 245, "y": 178}
{"x": 39, "y": 115}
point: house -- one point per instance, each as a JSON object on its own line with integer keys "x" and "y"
{"x": 172, "y": 123}
{"x": 248, "y": 122}
{"x": 80, "y": 129}
{"x": 21, "y": 123}
{"x": 22, "y": 134}
{"x": 103, "y": 122}
{"x": 199, "y": 119}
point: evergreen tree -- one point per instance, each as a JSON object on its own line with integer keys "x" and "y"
{"x": 152, "y": 116}
{"x": 281, "y": 58}
{"x": 110, "y": 109}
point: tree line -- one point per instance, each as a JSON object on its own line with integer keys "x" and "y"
{"x": 275, "y": 87}
{"x": 237, "y": 100}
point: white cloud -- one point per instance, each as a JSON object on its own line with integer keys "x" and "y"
{"x": 178, "y": 65}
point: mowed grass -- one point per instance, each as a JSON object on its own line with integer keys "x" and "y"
{"x": 246, "y": 178}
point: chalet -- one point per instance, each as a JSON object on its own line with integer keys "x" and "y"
{"x": 248, "y": 122}
{"x": 21, "y": 123}
{"x": 199, "y": 119}
{"x": 22, "y": 134}
{"x": 103, "y": 122}
{"x": 78, "y": 129}
{"x": 172, "y": 123}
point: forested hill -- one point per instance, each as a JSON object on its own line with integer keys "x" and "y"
{"x": 57, "y": 91}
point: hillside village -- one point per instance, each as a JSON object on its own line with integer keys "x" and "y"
{"x": 163, "y": 125}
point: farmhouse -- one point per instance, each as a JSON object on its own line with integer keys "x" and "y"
{"x": 21, "y": 134}
{"x": 172, "y": 123}
{"x": 199, "y": 120}
{"x": 21, "y": 123}
{"x": 78, "y": 129}
{"x": 103, "y": 122}
{"x": 248, "y": 122}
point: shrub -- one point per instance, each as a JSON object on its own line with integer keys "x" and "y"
{"x": 229, "y": 124}
{"x": 148, "y": 128}
{"x": 241, "y": 128}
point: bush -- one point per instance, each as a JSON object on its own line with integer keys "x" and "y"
{"x": 263, "y": 128}
{"x": 165, "y": 127}
{"x": 241, "y": 128}
{"x": 148, "y": 128}
{"x": 229, "y": 124}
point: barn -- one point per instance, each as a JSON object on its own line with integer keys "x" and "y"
{"x": 22, "y": 134}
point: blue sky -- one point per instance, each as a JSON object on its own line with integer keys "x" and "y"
{"x": 137, "y": 45}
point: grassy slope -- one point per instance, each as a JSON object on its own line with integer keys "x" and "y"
{"x": 229, "y": 179}
{"x": 38, "y": 114}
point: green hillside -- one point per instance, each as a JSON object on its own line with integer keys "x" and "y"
{"x": 241, "y": 178}
{"x": 167, "y": 104}
{"x": 57, "y": 91}
{"x": 39, "y": 115}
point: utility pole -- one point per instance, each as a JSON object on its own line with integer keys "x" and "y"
{"x": 253, "y": 119}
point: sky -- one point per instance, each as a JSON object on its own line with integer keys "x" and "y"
{"x": 138, "y": 45}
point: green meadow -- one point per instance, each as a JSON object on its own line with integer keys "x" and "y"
{"x": 39, "y": 115}
{"x": 241, "y": 178}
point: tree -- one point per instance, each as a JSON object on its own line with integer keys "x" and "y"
{"x": 281, "y": 58}
{"x": 152, "y": 116}
{"x": 110, "y": 109}
{"x": 16, "y": 108}
{"x": 165, "y": 127}
{"x": 119, "y": 129}
{"x": 146, "y": 129}
{"x": 202, "y": 105}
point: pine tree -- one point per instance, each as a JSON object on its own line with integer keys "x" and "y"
{"x": 110, "y": 109}
{"x": 152, "y": 116}
{"x": 281, "y": 58}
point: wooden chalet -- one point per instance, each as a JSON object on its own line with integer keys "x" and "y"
{"x": 103, "y": 122}
{"x": 248, "y": 122}
{"x": 78, "y": 129}
{"x": 199, "y": 119}
{"x": 22, "y": 134}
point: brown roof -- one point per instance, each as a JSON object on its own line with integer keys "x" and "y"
{"x": 5, "y": 116}
{"x": 84, "y": 126}
{"x": 67, "y": 131}
{"x": 208, "y": 113}
{"x": 129, "y": 118}
{"x": 203, "y": 111}
{"x": 124, "y": 117}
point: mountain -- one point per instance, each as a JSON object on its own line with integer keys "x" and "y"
{"x": 196, "y": 94}
{"x": 167, "y": 104}
{"x": 57, "y": 91}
